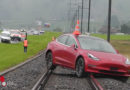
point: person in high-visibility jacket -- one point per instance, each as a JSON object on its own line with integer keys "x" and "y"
{"x": 25, "y": 45}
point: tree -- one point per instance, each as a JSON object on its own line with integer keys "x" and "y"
{"x": 57, "y": 29}
{"x": 114, "y": 21}
{"x": 125, "y": 29}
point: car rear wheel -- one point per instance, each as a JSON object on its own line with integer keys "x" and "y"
{"x": 49, "y": 62}
{"x": 80, "y": 67}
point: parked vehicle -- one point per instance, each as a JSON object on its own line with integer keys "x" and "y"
{"x": 41, "y": 32}
{"x": 85, "y": 53}
{"x": 15, "y": 35}
{"x": 23, "y": 35}
{"x": 36, "y": 33}
{"x": 5, "y": 36}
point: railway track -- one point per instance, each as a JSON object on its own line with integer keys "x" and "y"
{"x": 94, "y": 83}
{"x": 19, "y": 65}
{"x": 62, "y": 78}
{"x": 41, "y": 83}
{"x": 24, "y": 75}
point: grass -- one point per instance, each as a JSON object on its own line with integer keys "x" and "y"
{"x": 113, "y": 37}
{"x": 12, "y": 54}
{"x": 123, "y": 46}
{"x": 120, "y": 42}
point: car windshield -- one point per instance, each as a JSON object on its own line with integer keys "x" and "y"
{"x": 5, "y": 34}
{"x": 95, "y": 44}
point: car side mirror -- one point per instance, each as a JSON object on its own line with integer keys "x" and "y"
{"x": 74, "y": 46}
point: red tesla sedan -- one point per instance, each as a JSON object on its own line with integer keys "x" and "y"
{"x": 86, "y": 54}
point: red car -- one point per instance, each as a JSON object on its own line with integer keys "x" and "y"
{"x": 86, "y": 54}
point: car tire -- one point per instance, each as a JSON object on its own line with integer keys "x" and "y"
{"x": 49, "y": 62}
{"x": 124, "y": 79}
{"x": 80, "y": 67}
{"x": 19, "y": 39}
{"x": 9, "y": 41}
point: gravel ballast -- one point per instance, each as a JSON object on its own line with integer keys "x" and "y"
{"x": 65, "y": 79}
{"x": 25, "y": 77}
{"x": 113, "y": 83}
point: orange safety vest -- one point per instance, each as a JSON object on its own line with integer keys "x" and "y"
{"x": 25, "y": 43}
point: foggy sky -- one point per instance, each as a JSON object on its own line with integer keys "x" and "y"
{"x": 31, "y": 10}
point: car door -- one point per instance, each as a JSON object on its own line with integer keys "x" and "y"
{"x": 69, "y": 52}
{"x": 59, "y": 49}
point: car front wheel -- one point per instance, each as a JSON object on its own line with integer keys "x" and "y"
{"x": 80, "y": 67}
{"x": 49, "y": 62}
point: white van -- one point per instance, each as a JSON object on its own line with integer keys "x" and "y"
{"x": 5, "y": 36}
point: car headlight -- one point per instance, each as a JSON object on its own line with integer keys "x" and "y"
{"x": 127, "y": 61}
{"x": 93, "y": 57}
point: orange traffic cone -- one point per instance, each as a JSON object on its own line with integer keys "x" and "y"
{"x": 53, "y": 38}
{"x": 76, "y": 31}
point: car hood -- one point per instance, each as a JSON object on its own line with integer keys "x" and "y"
{"x": 108, "y": 57}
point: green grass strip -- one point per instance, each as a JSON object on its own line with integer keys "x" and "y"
{"x": 113, "y": 37}
{"x": 13, "y": 54}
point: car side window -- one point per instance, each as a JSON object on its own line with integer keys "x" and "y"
{"x": 62, "y": 39}
{"x": 70, "y": 41}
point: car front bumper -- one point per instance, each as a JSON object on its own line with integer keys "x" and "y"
{"x": 108, "y": 68}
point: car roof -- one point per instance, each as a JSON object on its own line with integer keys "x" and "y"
{"x": 92, "y": 37}
{"x": 88, "y": 36}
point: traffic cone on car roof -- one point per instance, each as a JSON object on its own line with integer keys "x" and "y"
{"x": 76, "y": 31}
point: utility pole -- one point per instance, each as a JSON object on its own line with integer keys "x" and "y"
{"x": 69, "y": 16}
{"x": 89, "y": 14}
{"x": 82, "y": 16}
{"x": 74, "y": 20}
{"x": 78, "y": 12}
{"x": 109, "y": 20}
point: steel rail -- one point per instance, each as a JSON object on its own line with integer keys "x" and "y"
{"x": 94, "y": 83}
{"x": 40, "y": 84}
{"x": 19, "y": 65}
